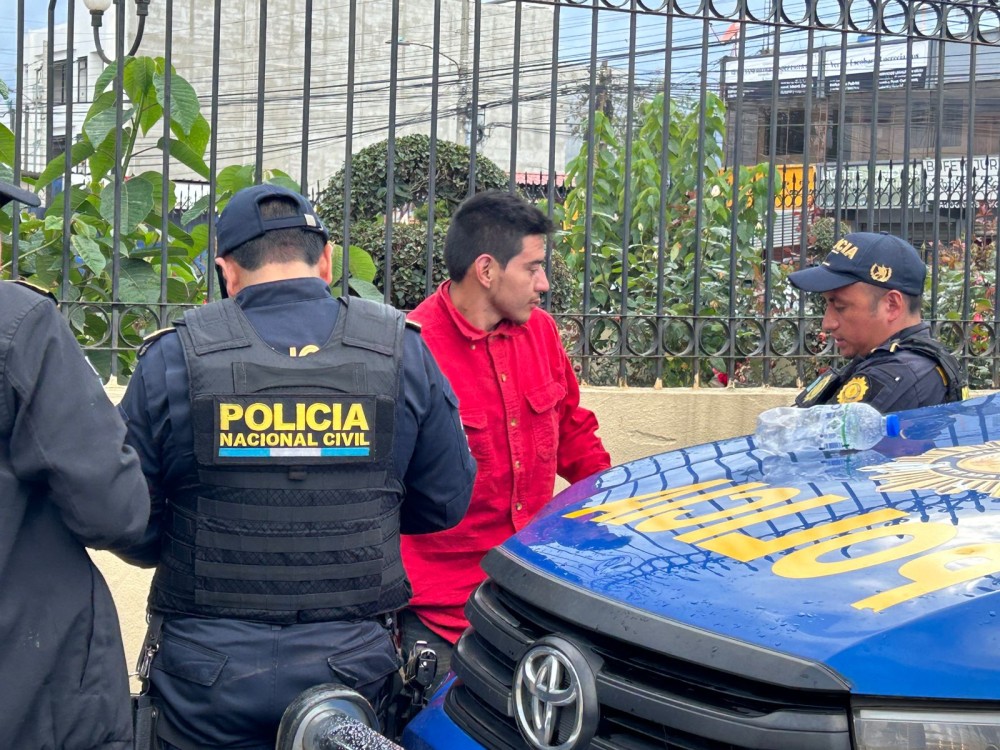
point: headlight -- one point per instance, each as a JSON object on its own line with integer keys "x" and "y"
{"x": 880, "y": 729}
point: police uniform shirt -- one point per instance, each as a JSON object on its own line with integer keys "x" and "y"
{"x": 296, "y": 316}
{"x": 893, "y": 380}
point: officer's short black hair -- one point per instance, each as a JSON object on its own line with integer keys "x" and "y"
{"x": 279, "y": 245}
{"x": 492, "y": 222}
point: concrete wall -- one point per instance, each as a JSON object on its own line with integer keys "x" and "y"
{"x": 634, "y": 423}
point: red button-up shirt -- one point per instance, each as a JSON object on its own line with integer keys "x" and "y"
{"x": 520, "y": 405}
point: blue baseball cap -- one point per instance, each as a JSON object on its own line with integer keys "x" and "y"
{"x": 241, "y": 221}
{"x": 875, "y": 258}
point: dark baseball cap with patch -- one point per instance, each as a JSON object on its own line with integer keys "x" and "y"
{"x": 241, "y": 220}
{"x": 10, "y": 193}
{"x": 875, "y": 258}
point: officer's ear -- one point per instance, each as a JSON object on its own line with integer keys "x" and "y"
{"x": 229, "y": 276}
{"x": 895, "y": 304}
{"x": 324, "y": 267}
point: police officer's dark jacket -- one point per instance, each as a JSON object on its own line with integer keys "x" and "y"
{"x": 281, "y": 483}
{"x": 908, "y": 371}
{"x": 65, "y": 484}
{"x": 295, "y": 516}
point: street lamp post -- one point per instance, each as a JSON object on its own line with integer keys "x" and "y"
{"x": 97, "y": 9}
{"x": 463, "y": 126}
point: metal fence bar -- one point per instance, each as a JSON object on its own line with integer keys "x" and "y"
{"x": 68, "y": 98}
{"x": 588, "y": 231}
{"x": 663, "y": 236}
{"x": 352, "y": 26}
{"x": 213, "y": 146}
{"x": 515, "y": 81}
{"x": 119, "y": 178}
{"x": 306, "y": 96}
{"x": 432, "y": 155}
{"x": 261, "y": 81}
{"x": 15, "y": 250}
{"x": 550, "y": 182}
{"x": 390, "y": 158}
{"x": 168, "y": 62}
{"x": 627, "y": 218}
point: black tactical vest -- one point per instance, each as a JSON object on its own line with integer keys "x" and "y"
{"x": 295, "y": 514}
{"x": 824, "y": 388}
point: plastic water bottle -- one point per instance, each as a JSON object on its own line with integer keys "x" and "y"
{"x": 828, "y": 427}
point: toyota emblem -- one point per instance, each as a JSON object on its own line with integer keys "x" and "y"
{"x": 555, "y": 696}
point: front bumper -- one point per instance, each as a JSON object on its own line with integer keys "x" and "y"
{"x": 433, "y": 729}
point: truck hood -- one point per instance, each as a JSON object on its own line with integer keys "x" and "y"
{"x": 883, "y": 565}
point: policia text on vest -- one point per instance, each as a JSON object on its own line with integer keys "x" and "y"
{"x": 315, "y": 427}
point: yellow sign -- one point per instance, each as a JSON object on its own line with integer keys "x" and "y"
{"x": 794, "y": 186}
{"x": 293, "y": 427}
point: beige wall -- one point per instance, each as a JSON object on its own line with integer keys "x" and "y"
{"x": 635, "y": 422}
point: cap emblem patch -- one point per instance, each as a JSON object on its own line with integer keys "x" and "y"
{"x": 881, "y": 274}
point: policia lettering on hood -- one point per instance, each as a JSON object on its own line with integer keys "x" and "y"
{"x": 331, "y": 427}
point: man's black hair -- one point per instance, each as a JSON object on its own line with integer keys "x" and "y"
{"x": 492, "y": 222}
{"x": 279, "y": 245}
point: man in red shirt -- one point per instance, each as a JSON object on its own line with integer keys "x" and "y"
{"x": 518, "y": 398}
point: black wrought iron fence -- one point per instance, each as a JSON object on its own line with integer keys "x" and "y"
{"x": 691, "y": 153}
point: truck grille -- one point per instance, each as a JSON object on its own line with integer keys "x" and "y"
{"x": 650, "y": 697}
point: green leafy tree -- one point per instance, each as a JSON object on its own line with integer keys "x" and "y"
{"x": 143, "y": 250}
{"x": 146, "y": 254}
{"x": 409, "y": 238}
{"x": 624, "y": 265}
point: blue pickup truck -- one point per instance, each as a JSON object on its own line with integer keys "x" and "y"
{"x": 724, "y": 597}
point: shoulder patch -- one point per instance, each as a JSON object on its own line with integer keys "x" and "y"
{"x": 148, "y": 341}
{"x": 35, "y": 288}
{"x": 413, "y": 325}
{"x": 853, "y": 390}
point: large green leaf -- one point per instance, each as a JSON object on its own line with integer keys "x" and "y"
{"x": 152, "y": 113}
{"x": 138, "y": 77}
{"x": 282, "y": 179}
{"x": 199, "y": 136}
{"x": 57, "y": 166}
{"x": 186, "y": 156}
{"x": 6, "y": 145}
{"x": 101, "y": 118}
{"x": 102, "y": 161}
{"x": 366, "y": 290}
{"x": 103, "y": 81}
{"x": 89, "y": 252}
{"x": 138, "y": 281}
{"x": 198, "y": 208}
{"x": 137, "y": 202}
{"x": 184, "y": 105}
{"x": 78, "y": 202}
{"x": 234, "y": 177}
{"x": 361, "y": 264}
{"x": 199, "y": 241}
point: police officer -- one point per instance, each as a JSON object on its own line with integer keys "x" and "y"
{"x": 872, "y": 285}
{"x": 66, "y": 483}
{"x": 288, "y": 438}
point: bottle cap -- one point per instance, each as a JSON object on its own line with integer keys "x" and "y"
{"x": 892, "y": 425}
